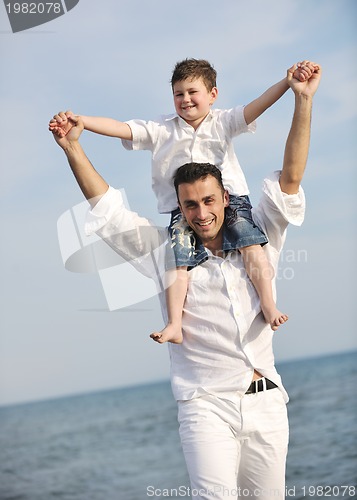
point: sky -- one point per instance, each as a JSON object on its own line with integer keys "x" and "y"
{"x": 58, "y": 336}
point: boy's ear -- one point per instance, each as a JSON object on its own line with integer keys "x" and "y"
{"x": 214, "y": 94}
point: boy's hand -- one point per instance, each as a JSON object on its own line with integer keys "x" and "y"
{"x": 73, "y": 127}
{"x": 310, "y": 74}
{"x": 304, "y": 70}
{"x": 61, "y": 123}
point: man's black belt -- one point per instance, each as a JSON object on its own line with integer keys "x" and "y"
{"x": 258, "y": 386}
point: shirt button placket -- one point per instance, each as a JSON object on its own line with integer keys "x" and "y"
{"x": 231, "y": 290}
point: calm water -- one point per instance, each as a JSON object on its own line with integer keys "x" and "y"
{"x": 114, "y": 445}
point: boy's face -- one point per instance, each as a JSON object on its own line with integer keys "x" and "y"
{"x": 193, "y": 101}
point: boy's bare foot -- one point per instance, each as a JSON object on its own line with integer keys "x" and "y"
{"x": 171, "y": 333}
{"x": 274, "y": 317}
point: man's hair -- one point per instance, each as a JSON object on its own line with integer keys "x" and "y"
{"x": 192, "y": 69}
{"x": 192, "y": 172}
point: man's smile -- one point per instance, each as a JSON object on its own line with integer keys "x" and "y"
{"x": 204, "y": 224}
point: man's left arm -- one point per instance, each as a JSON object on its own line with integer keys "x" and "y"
{"x": 298, "y": 141}
{"x": 283, "y": 200}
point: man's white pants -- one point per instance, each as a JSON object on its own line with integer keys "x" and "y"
{"x": 235, "y": 449}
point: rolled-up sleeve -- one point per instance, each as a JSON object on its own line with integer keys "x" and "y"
{"x": 134, "y": 238}
{"x": 277, "y": 209}
{"x": 290, "y": 206}
{"x": 110, "y": 203}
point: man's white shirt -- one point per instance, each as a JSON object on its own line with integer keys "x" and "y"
{"x": 225, "y": 336}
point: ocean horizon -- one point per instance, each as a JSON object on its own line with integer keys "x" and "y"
{"x": 123, "y": 444}
{"x": 87, "y": 392}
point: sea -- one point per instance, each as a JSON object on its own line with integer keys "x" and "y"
{"x": 123, "y": 444}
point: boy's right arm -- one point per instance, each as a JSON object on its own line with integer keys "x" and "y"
{"x": 61, "y": 125}
{"x": 107, "y": 126}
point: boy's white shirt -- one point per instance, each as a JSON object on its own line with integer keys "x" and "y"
{"x": 173, "y": 142}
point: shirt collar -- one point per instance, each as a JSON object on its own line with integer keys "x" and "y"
{"x": 182, "y": 122}
{"x": 225, "y": 254}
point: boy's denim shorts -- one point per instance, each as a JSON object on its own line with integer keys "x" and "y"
{"x": 239, "y": 231}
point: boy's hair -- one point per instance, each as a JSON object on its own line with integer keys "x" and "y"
{"x": 192, "y": 172}
{"x": 193, "y": 69}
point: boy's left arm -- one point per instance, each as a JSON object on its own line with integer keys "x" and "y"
{"x": 301, "y": 71}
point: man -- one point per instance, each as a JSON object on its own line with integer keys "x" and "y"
{"x": 231, "y": 401}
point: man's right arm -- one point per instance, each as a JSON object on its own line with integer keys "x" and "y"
{"x": 133, "y": 237}
{"x": 92, "y": 185}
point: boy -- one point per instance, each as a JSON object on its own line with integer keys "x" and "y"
{"x": 199, "y": 134}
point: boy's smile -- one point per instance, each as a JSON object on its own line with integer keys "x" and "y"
{"x": 193, "y": 101}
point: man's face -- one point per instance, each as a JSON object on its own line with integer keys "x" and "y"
{"x": 202, "y": 204}
{"x": 193, "y": 101}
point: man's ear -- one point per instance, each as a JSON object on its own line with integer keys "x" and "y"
{"x": 226, "y": 198}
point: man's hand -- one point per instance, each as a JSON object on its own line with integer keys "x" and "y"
{"x": 303, "y": 70}
{"x": 60, "y": 123}
{"x": 66, "y": 128}
{"x": 304, "y": 78}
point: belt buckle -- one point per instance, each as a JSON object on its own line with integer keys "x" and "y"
{"x": 258, "y": 385}
{"x": 255, "y": 386}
